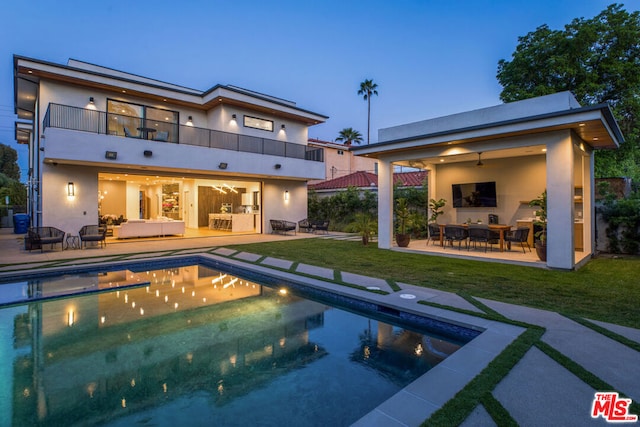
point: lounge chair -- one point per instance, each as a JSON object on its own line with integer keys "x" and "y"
{"x": 93, "y": 233}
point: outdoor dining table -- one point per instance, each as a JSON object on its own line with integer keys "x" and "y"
{"x": 501, "y": 228}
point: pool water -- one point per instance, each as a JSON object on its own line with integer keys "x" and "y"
{"x": 193, "y": 345}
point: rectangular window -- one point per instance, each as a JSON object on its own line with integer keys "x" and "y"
{"x": 141, "y": 121}
{"x": 256, "y": 123}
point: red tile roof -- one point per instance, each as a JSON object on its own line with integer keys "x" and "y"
{"x": 362, "y": 179}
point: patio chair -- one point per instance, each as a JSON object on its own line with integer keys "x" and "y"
{"x": 479, "y": 233}
{"x": 93, "y": 233}
{"x": 520, "y": 235}
{"x": 455, "y": 233}
{"x": 434, "y": 232}
{"x": 162, "y": 136}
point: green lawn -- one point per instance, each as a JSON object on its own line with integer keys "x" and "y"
{"x": 606, "y": 289}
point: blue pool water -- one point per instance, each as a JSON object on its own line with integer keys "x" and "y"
{"x": 195, "y": 345}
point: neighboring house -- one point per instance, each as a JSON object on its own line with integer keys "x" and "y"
{"x": 523, "y": 148}
{"x": 339, "y": 160}
{"x": 366, "y": 181}
{"x": 106, "y": 143}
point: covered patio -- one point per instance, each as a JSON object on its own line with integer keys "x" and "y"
{"x": 517, "y": 149}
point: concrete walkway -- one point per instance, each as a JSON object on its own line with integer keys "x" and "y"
{"x": 538, "y": 391}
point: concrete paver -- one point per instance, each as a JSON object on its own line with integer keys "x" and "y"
{"x": 540, "y": 392}
{"x": 593, "y": 351}
{"x": 275, "y": 262}
{"x": 313, "y": 270}
{"x": 479, "y": 418}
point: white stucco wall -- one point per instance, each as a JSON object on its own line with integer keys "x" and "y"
{"x": 69, "y": 214}
{"x": 517, "y": 180}
{"x": 275, "y": 207}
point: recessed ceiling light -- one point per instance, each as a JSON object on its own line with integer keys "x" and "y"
{"x": 544, "y": 150}
{"x": 581, "y": 124}
{"x": 595, "y": 138}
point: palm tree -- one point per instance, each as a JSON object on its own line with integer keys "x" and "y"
{"x": 349, "y": 135}
{"x": 368, "y": 88}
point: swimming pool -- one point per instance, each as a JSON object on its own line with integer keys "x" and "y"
{"x": 162, "y": 344}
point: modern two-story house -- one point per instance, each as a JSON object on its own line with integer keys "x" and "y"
{"x": 107, "y": 145}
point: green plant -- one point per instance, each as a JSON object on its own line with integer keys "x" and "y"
{"x": 436, "y": 209}
{"x": 623, "y": 221}
{"x": 404, "y": 219}
{"x": 364, "y": 225}
{"x": 540, "y": 203}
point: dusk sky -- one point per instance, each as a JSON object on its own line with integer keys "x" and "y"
{"x": 429, "y": 58}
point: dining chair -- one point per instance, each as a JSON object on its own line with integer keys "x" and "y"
{"x": 434, "y": 232}
{"x": 455, "y": 233}
{"x": 519, "y": 235}
{"x": 479, "y": 233}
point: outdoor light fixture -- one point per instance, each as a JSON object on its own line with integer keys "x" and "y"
{"x": 91, "y": 100}
{"x": 71, "y": 189}
{"x": 286, "y": 195}
{"x": 222, "y": 165}
{"x": 282, "y": 127}
{"x": 111, "y": 155}
{"x": 277, "y": 166}
{"x": 190, "y": 121}
{"x": 233, "y": 116}
{"x": 148, "y": 153}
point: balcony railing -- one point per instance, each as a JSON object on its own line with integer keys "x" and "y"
{"x": 101, "y": 122}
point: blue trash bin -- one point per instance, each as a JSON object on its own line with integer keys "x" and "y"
{"x": 20, "y": 223}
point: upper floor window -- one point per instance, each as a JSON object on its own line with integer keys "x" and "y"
{"x": 141, "y": 121}
{"x": 257, "y": 123}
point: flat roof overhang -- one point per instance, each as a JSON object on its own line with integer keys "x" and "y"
{"x": 28, "y": 73}
{"x": 595, "y": 125}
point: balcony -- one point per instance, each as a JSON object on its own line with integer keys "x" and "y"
{"x": 101, "y": 122}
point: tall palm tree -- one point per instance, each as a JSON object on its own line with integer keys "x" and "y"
{"x": 349, "y": 135}
{"x": 368, "y": 88}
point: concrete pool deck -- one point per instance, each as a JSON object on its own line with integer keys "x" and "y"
{"x": 537, "y": 391}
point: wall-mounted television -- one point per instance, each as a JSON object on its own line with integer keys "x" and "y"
{"x": 475, "y": 195}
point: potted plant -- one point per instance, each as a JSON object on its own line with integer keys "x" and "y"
{"x": 436, "y": 206}
{"x": 404, "y": 222}
{"x": 365, "y": 226}
{"x": 541, "y": 221}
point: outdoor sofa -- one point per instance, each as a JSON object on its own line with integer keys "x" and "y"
{"x": 38, "y": 236}
{"x": 281, "y": 226}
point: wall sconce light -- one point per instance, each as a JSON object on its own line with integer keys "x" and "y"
{"x": 91, "y": 101}
{"x": 148, "y": 153}
{"x": 286, "y": 195}
{"x": 233, "y": 117}
{"x": 222, "y": 165}
{"x": 190, "y": 121}
{"x": 111, "y": 155}
{"x": 282, "y": 127}
{"x": 71, "y": 189}
{"x": 277, "y": 166}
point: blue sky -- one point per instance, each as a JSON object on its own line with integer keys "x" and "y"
{"x": 429, "y": 58}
